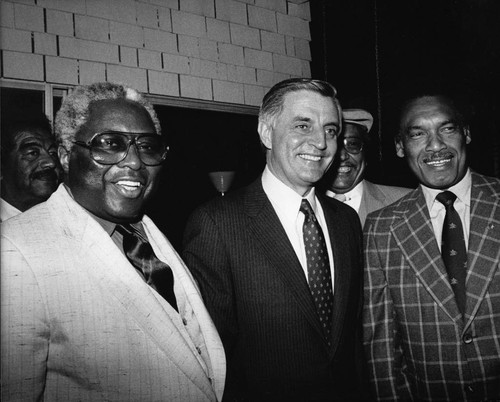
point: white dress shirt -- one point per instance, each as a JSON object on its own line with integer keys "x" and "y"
{"x": 437, "y": 210}
{"x": 286, "y": 202}
{"x": 352, "y": 197}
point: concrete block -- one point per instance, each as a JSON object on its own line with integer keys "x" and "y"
{"x": 188, "y": 45}
{"x": 287, "y": 65}
{"x": 188, "y": 24}
{"x": 302, "y": 49}
{"x": 175, "y": 63}
{"x": 29, "y": 18}
{"x": 163, "y": 83}
{"x": 91, "y": 28}
{"x": 306, "y": 69}
{"x": 196, "y": 87}
{"x": 208, "y": 49}
{"x": 293, "y": 26}
{"x": 45, "y": 43}
{"x": 126, "y": 34}
{"x": 232, "y": 11}
{"x": 218, "y": 30}
{"x": 155, "y": 39}
{"x": 273, "y": 42}
{"x": 300, "y": 10}
{"x": 6, "y": 14}
{"x": 269, "y": 78}
{"x": 71, "y": 6}
{"x": 228, "y": 92}
{"x": 248, "y": 1}
{"x": 25, "y": 66}
{"x": 13, "y": 39}
{"x": 86, "y": 50}
{"x": 164, "y": 19}
{"x": 59, "y": 23}
{"x": 147, "y": 15}
{"x": 91, "y": 72}
{"x": 114, "y": 10}
{"x": 199, "y": 7}
{"x": 241, "y": 74}
{"x": 254, "y": 94}
{"x": 258, "y": 59}
{"x": 290, "y": 45}
{"x": 133, "y": 77}
{"x": 276, "y": 5}
{"x": 61, "y": 70}
{"x": 231, "y": 54}
{"x": 128, "y": 56}
{"x": 208, "y": 69}
{"x": 262, "y": 18}
{"x": 150, "y": 59}
{"x": 245, "y": 36}
{"x": 173, "y": 4}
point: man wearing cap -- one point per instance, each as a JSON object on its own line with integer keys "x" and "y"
{"x": 345, "y": 180}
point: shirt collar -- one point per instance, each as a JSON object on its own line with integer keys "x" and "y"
{"x": 283, "y": 197}
{"x": 356, "y": 192}
{"x": 461, "y": 190}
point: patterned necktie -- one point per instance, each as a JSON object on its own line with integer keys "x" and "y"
{"x": 156, "y": 273}
{"x": 318, "y": 268}
{"x": 453, "y": 248}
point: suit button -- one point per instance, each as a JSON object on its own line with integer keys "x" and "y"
{"x": 467, "y": 338}
{"x": 184, "y": 321}
{"x": 198, "y": 350}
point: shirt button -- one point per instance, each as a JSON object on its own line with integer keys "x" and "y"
{"x": 198, "y": 349}
{"x": 467, "y": 338}
{"x": 184, "y": 321}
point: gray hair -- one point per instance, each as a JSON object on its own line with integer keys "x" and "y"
{"x": 74, "y": 111}
{"x": 272, "y": 104}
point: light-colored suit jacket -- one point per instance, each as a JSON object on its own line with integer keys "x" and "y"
{"x": 79, "y": 323}
{"x": 417, "y": 344}
{"x": 377, "y": 196}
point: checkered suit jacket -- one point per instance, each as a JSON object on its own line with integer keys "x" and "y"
{"x": 417, "y": 345}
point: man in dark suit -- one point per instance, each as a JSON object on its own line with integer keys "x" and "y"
{"x": 431, "y": 324}
{"x": 248, "y": 252}
{"x": 346, "y": 181}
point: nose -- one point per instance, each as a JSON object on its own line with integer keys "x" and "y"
{"x": 132, "y": 159}
{"x": 343, "y": 154}
{"x": 318, "y": 139}
{"x": 47, "y": 161}
{"x": 435, "y": 143}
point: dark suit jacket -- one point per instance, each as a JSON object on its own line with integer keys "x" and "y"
{"x": 418, "y": 347}
{"x": 257, "y": 294}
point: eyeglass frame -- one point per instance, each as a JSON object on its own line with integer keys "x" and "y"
{"x": 344, "y": 141}
{"x": 88, "y": 145}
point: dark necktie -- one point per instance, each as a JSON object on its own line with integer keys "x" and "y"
{"x": 156, "y": 273}
{"x": 453, "y": 248}
{"x": 318, "y": 268}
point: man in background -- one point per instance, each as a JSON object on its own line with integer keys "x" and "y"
{"x": 279, "y": 264}
{"x": 432, "y": 268}
{"x": 345, "y": 181}
{"x": 95, "y": 302}
{"x": 30, "y": 167}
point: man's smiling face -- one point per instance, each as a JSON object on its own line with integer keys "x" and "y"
{"x": 433, "y": 139}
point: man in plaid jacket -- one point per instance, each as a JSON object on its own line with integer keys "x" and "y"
{"x": 419, "y": 344}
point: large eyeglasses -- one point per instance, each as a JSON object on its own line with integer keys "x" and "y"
{"x": 111, "y": 147}
{"x": 353, "y": 145}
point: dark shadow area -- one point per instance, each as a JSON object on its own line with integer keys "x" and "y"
{"x": 377, "y": 51}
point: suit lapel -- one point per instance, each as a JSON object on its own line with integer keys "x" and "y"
{"x": 269, "y": 233}
{"x": 371, "y": 200}
{"x": 484, "y": 243}
{"x": 112, "y": 271}
{"x": 415, "y": 237}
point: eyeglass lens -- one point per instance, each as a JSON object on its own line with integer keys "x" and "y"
{"x": 111, "y": 148}
{"x": 353, "y": 145}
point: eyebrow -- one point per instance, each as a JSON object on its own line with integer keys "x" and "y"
{"x": 29, "y": 144}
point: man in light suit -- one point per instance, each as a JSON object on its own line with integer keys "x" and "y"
{"x": 432, "y": 328}
{"x": 248, "y": 253}
{"x": 83, "y": 317}
{"x": 346, "y": 181}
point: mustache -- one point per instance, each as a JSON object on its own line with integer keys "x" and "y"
{"x": 46, "y": 174}
{"x": 438, "y": 156}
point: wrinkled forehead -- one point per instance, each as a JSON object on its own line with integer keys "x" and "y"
{"x": 33, "y": 136}
{"x": 429, "y": 108}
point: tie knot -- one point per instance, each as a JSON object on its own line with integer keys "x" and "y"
{"x": 306, "y": 208}
{"x": 340, "y": 197}
{"x": 447, "y": 198}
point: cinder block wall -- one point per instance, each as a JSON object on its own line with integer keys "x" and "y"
{"x": 217, "y": 50}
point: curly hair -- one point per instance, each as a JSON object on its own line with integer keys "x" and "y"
{"x": 74, "y": 111}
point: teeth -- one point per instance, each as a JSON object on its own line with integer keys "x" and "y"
{"x": 344, "y": 169}
{"x": 438, "y": 162}
{"x": 129, "y": 183}
{"x": 310, "y": 157}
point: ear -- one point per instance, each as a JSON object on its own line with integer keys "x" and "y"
{"x": 64, "y": 155}
{"x": 468, "y": 137}
{"x": 265, "y": 133}
{"x": 400, "y": 151}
